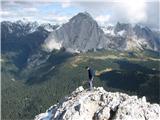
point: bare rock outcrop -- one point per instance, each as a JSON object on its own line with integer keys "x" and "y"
{"x": 99, "y": 104}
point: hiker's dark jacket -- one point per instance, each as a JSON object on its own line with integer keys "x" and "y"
{"x": 90, "y": 73}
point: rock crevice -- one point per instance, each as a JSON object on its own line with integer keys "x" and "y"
{"x": 101, "y": 105}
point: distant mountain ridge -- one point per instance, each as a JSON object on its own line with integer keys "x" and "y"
{"x": 82, "y": 33}
{"x": 23, "y": 39}
{"x": 24, "y": 32}
{"x": 136, "y": 37}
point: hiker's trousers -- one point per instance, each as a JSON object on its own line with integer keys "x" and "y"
{"x": 91, "y": 84}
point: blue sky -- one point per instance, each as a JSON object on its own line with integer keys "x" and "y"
{"x": 57, "y": 8}
{"x": 105, "y": 12}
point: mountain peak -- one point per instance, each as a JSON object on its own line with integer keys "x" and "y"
{"x": 82, "y": 15}
{"x": 99, "y": 104}
{"x": 82, "y": 33}
{"x": 123, "y": 26}
{"x": 85, "y": 13}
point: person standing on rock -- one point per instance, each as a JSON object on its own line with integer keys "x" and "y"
{"x": 91, "y": 77}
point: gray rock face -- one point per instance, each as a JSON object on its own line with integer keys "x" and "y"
{"x": 82, "y": 33}
{"x": 101, "y": 105}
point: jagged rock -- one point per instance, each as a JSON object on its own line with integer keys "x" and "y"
{"x": 80, "y": 89}
{"x": 103, "y": 114}
{"x": 82, "y": 33}
{"x": 99, "y": 104}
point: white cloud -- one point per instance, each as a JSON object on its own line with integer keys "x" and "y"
{"x": 102, "y": 19}
{"x": 4, "y": 13}
{"x": 32, "y": 9}
{"x": 61, "y": 18}
{"x": 128, "y": 11}
{"x": 51, "y": 44}
{"x": 104, "y": 11}
{"x": 57, "y": 19}
{"x": 135, "y": 10}
{"x": 66, "y": 3}
{"x": 123, "y": 10}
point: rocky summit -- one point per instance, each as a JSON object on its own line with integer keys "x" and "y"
{"x": 99, "y": 104}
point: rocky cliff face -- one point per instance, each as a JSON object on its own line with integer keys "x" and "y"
{"x": 82, "y": 33}
{"x": 101, "y": 105}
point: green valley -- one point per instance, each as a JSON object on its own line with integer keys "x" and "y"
{"x": 31, "y": 90}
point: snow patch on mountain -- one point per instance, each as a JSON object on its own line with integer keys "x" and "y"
{"x": 99, "y": 104}
{"x": 27, "y": 27}
{"x": 121, "y": 33}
